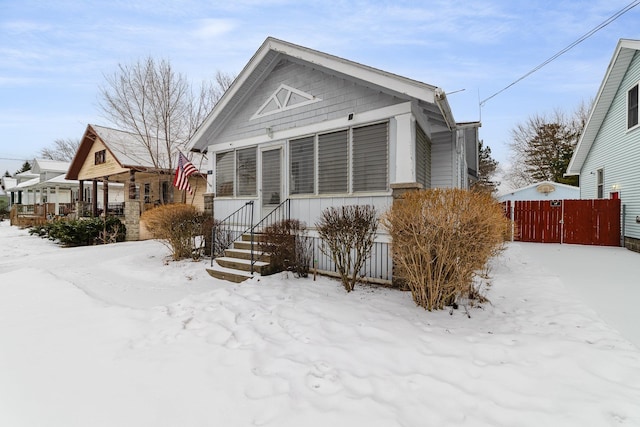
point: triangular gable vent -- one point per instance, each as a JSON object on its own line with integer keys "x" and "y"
{"x": 284, "y": 98}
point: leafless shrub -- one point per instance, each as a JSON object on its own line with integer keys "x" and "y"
{"x": 440, "y": 239}
{"x": 289, "y": 247}
{"x": 347, "y": 234}
{"x": 180, "y": 227}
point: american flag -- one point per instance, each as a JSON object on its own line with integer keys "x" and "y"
{"x": 183, "y": 171}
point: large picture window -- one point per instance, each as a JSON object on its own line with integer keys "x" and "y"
{"x": 370, "y": 152}
{"x": 632, "y": 107}
{"x": 301, "y": 165}
{"x": 333, "y": 162}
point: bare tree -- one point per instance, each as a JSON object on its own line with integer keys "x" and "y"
{"x": 152, "y": 101}
{"x": 62, "y": 150}
{"x": 541, "y": 148}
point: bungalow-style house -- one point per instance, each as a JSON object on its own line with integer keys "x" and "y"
{"x": 113, "y": 156}
{"x": 43, "y": 192}
{"x": 608, "y": 153}
{"x": 316, "y": 130}
{"x": 544, "y": 190}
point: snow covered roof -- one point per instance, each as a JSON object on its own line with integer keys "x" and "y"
{"x": 25, "y": 184}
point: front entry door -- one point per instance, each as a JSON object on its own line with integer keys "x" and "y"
{"x": 271, "y": 179}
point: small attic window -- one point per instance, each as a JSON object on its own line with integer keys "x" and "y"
{"x": 100, "y": 157}
{"x": 284, "y": 98}
{"x": 632, "y": 107}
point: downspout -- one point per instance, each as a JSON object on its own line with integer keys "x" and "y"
{"x": 443, "y": 105}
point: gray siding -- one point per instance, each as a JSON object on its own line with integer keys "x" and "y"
{"x": 617, "y": 151}
{"x": 339, "y": 98}
{"x": 442, "y": 157}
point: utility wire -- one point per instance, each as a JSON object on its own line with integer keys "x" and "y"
{"x": 572, "y": 45}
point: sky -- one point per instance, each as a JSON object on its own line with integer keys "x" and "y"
{"x": 55, "y": 54}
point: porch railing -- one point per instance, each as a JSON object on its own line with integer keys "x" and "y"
{"x": 279, "y": 213}
{"x": 230, "y": 229}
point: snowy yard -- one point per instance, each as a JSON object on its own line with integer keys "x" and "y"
{"x": 114, "y": 336}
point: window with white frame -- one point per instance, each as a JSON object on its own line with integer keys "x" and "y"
{"x": 224, "y": 173}
{"x": 246, "y": 172}
{"x": 301, "y": 165}
{"x": 632, "y": 107}
{"x": 370, "y": 153}
{"x": 333, "y": 162}
{"x": 236, "y": 173}
{"x": 423, "y": 158}
{"x": 600, "y": 183}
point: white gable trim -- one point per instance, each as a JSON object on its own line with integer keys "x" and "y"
{"x": 616, "y": 71}
{"x": 286, "y": 103}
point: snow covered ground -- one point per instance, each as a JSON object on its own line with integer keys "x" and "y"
{"x": 115, "y": 336}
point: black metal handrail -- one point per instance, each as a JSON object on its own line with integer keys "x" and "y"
{"x": 279, "y": 213}
{"x": 230, "y": 229}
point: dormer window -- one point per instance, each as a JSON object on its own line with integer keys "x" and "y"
{"x": 632, "y": 107}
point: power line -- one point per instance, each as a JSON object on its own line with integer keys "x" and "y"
{"x": 572, "y": 45}
{"x": 22, "y": 160}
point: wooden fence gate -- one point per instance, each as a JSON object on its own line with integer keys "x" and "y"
{"x": 584, "y": 222}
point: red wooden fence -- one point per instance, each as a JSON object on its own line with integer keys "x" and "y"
{"x": 585, "y": 222}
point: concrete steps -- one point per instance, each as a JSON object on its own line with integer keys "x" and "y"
{"x": 235, "y": 265}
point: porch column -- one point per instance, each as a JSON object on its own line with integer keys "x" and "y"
{"x": 81, "y": 190}
{"x": 80, "y": 200}
{"x": 405, "y": 155}
{"x": 132, "y": 185}
{"x": 57, "y": 202}
{"x": 94, "y": 197}
{"x": 105, "y": 194}
{"x": 132, "y": 210}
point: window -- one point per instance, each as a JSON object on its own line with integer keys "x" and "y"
{"x": 147, "y": 192}
{"x": 224, "y": 174}
{"x": 301, "y": 165}
{"x": 246, "y": 169}
{"x": 333, "y": 162}
{"x": 370, "y": 153}
{"x": 632, "y": 107}
{"x": 600, "y": 183}
{"x": 423, "y": 158}
{"x": 100, "y": 157}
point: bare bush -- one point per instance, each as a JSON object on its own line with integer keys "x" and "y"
{"x": 347, "y": 234}
{"x": 288, "y": 246}
{"x": 440, "y": 239}
{"x": 180, "y": 227}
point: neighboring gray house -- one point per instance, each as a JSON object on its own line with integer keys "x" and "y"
{"x": 324, "y": 131}
{"x": 607, "y": 157}
{"x": 544, "y": 190}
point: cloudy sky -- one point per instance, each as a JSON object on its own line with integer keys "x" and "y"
{"x": 54, "y": 55}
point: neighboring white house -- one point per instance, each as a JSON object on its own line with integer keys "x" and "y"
{"x": 607, "y": 157}
{"x": 45, "y": 183}
{"x": 323, "y": 131}
{"x": 545, "y": 190}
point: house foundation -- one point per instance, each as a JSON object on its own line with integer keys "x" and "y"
{"x": 632, "y": 244}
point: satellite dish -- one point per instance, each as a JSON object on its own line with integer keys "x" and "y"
{"x": 545, "y": 188}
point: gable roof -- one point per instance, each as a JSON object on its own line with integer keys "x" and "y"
{"x": 536, "y": 184}
{"x": 622, "y": 56}
{"x": 273, "y": 50}
{"x": 125, "y": 147}
{"x": 46, "y": 165}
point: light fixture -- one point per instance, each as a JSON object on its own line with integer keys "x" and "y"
{"x": 269, "y": 132}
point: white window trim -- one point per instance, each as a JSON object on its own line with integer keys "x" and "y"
{"x": 310, "y": 99}
{"x": 626, "y": 124}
